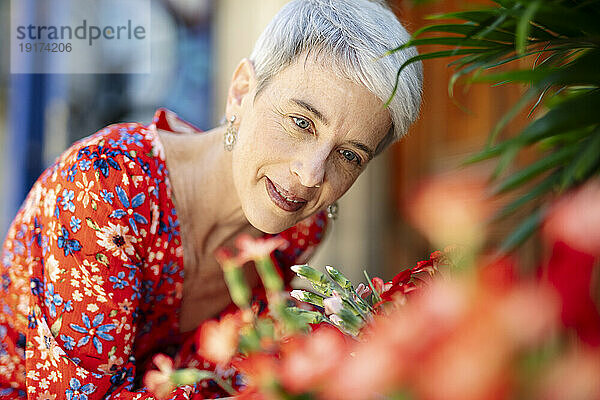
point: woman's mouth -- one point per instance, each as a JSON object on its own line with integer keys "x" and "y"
{"x": 282, "y": 198}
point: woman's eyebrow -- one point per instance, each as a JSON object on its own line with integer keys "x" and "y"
{"x": 311, "y": 109}
{"x": 364, "y": 148}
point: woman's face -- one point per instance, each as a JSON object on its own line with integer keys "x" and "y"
{"x": 302, "y": 142}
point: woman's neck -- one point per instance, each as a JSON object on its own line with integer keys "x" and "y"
{"x": 207, "y": 205}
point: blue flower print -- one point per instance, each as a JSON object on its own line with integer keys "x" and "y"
{"x": 107, "y": 196}
{"x": 36, "y": 286}
{"x": 133, "y": 269}
{"x": 32, "y": 321}
{"x": 78, "y": 392}
{"x": 84, "y": 165}
{"x": 104, "y": 159}
{"x": 137, "y": 291}
{"x": 67, "y": 200}
{"x": 119, "y": 280}
{"x": 136, "y": 202}
{"x": 168, "y": 270}
{"x": 5, "y": 282}
{"x": 145, "y": 166}
{"x": 69, "y": 246}
{"x": 72, "y": 173}
{"x": 170, "y": 228}
{"x": 68, "y": 306}
{"x": 52, "y": 300}
{"x": 131, "y": 137}
{"x": 69, "y": 342}
{"x": 37, "y": 232}
{"x": 93, "y": 331}
{"x": 122, "y": 376}
{"x": 75, "y": 224}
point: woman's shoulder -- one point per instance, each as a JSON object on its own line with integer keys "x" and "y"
{"x": 130, "y": 148}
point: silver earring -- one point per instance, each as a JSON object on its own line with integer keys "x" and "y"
{"x": 230, "y": 134}
{"x": 332, "y": 211}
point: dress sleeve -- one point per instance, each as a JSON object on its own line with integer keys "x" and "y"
{"x": 87, "y": 284}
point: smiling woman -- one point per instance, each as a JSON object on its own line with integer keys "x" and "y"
{"x": 111, "y": 257}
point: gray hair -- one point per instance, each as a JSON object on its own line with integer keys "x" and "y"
{"x": 356, "y": 34}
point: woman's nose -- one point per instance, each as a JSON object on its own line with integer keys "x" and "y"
{"x": 309, "y": 170}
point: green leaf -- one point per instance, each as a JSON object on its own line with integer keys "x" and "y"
{"x": 541, "y": 189}
{"x": 573, "y": 113}
{"x": 92, "y": 224}
{"x": 468, "y": 30}
{"x": 523, "y": 232}
{"x": 524, "y": 25}
{"x": 317, "y": 279}
{"x": 505, "y": 160}
{"x": 55, "y": 328}
{"x": 452, "y": 41}
{"x": 306, "y": 316}
{"x": 351, "y": 320}
{"x": 555, "y": 159}
{"x": 510, "y": 115}
{"x": 102, "y": 259}
{"x": 338, "y": 278}
{"x": 566, "y": 21}
{"x": 435, "y": 54}
{"x": 478, "y": 16}
{"x": 585, "y": 163}
{"x": 308, "y": 297}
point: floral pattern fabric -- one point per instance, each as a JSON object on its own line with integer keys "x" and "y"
{"x": 91, "y": 271}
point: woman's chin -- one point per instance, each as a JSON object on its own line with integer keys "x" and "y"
{"x": 269, "y": 223}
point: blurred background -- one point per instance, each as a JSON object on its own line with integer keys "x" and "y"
{"x": 195, "y": 45}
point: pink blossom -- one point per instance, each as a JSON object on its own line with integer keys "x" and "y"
{"x": 159, "y": 382}
{"x": 252, "y": 249}
{"x": 575, "y": 219}
{"x": 333, "y": 304}
{"x": 363, "y": 291}
{"x": 218, "y": 340}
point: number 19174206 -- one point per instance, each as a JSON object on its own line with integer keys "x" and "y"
{"x": 40, "y": 47}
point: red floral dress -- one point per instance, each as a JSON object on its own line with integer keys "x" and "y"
{"x": 92, "y": 271}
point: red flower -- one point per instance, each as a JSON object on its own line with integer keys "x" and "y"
{"x": 309, "y": 362}
{"x": 259, "y": 371}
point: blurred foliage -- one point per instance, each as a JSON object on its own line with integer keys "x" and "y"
{"x": 553, "y": 48}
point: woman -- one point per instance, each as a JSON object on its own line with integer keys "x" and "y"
{"x": 93, "y": 266}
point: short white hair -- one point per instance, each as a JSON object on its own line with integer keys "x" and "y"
{"x": 351, "y": 37}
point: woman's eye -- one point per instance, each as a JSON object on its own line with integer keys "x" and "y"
{"x": 301, "y": 123}
{"x": 350, "y": 156}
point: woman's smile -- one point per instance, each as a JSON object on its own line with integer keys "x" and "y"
{"x": 282, "y": 198}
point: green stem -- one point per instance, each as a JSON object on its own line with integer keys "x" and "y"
{"x": 225, "y": 385}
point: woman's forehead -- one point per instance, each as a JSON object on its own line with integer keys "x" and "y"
{"x": 329, "y": 98}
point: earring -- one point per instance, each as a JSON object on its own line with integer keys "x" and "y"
{"x": 332, "y": 211}
{"x": 230, "y": 134}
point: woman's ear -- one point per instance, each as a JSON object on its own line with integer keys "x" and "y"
{"x": 242, "y": 84}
